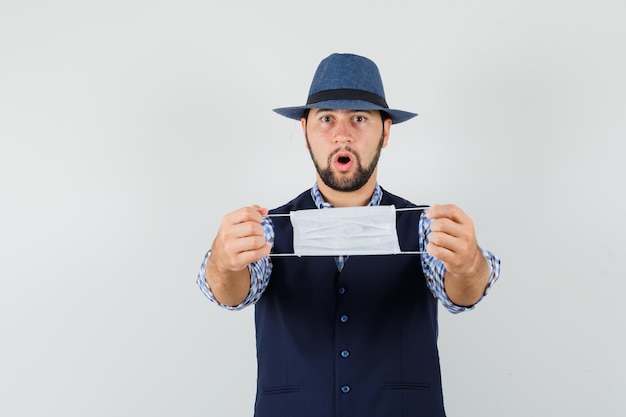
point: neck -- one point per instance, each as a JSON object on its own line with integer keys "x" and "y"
{"x": 360, "y": 197}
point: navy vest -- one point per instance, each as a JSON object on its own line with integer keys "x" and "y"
{"x": 361, "y": 342}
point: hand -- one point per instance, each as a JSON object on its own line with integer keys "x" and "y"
{"x": 240, "y": 240}
{"x": 453, "y": 240}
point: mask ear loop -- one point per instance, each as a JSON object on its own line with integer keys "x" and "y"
{"x": 422, "y": 207}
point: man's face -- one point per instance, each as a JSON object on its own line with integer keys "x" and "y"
{"x": 345, "y": 145}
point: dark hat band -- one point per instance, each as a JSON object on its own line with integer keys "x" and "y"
{"x": 347, "y": 94}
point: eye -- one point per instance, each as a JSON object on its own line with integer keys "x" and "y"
{"x": 359, "y": 119}
{"x": 326, "y": 119}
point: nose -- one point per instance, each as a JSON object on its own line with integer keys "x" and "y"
{"x": 342, "y": 132}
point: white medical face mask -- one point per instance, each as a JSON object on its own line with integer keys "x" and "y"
{"x": 345, "y": 231}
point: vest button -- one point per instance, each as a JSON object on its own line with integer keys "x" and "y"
{"x": 345, "y": 389}
{"x": 345, "y": 353}
{"x": 343, "y": 318}
{"x": 342, "y": 290}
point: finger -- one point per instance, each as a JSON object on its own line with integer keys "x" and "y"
{"x": 247, "y": 257}
{"x": 451, "y": 260}
{"x": 463, "y": 230}
{"x": 449, "y": 211}
{"x": 235, "y": 254}
{"x": 253, "y": 213}
{"x": 245, "y": 244}
{"x": 445, "y": 225}
{"x": 452, "y": 244}
{"x": 462, "y": 262}
{"x": 443, "y": 254}
{"x": 444, "y": 241}
{"x": 249, "y": 228}
{"x": 262, "y": 211}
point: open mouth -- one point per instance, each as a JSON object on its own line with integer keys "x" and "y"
{"x": 344, "y": 159}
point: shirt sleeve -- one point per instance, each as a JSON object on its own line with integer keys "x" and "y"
{"x": 260, "y": 272}
{"x": 434, "y": 270}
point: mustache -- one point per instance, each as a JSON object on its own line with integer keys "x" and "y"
{"x": 344, "y": 148}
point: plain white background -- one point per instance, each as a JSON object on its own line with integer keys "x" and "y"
{"x": 129, "y": 128}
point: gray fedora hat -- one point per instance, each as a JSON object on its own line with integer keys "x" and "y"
{"x": 346, "y": 81}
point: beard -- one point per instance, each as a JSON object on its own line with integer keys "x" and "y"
{"x": 347, "y": 183}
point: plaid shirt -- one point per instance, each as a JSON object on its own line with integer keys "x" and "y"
{"x": 433, "y": 268}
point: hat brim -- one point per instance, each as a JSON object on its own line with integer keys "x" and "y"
{"x": 298, "y": 112}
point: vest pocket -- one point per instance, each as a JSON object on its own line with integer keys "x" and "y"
{"x": 284, "y": 389}
{"x": 406, "y": 386}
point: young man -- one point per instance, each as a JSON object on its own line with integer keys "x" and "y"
{"x": 338, "y": 335}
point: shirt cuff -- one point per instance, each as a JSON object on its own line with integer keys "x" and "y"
{"x": 494, "y": 273}
{"x": 206, "y": 290}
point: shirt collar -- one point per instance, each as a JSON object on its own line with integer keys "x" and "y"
{"x": 320, "y": 203}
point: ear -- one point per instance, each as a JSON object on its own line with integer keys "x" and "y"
{"x": 303, "y": 123}
{"x": 386, "y": 129}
